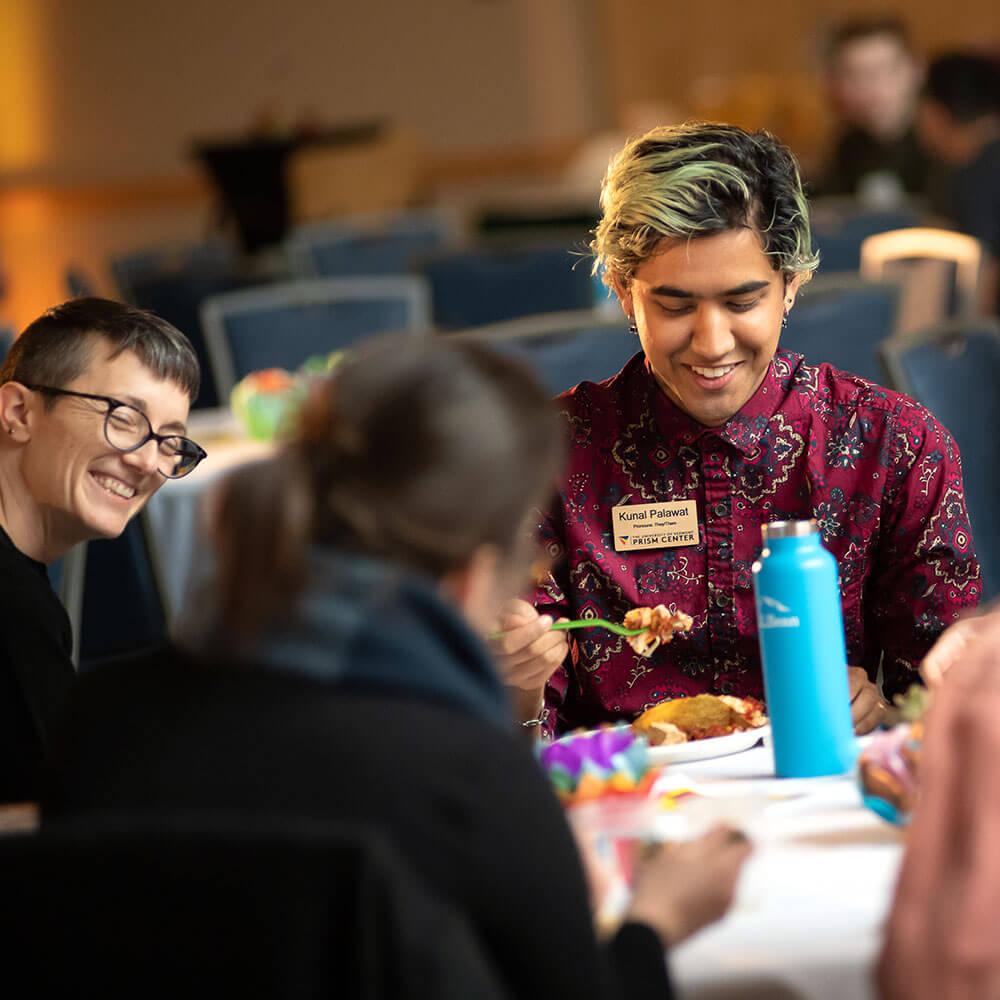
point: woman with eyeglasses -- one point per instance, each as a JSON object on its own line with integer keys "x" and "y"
{"x": 338, "y": 673}
{"x": 94, "y": 396}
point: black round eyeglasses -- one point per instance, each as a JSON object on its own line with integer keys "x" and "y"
{"x": 128, "y": 429}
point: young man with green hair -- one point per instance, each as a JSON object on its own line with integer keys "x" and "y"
{"x": 705, "y": 241}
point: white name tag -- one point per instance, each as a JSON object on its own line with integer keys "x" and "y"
{"x": 654, "y": 525}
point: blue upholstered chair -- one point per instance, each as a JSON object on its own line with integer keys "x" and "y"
{"x": 67, "y": 578}
{"x": 381, "y": 247}
{"x": 563, "y": 348}
{"x": 121, "y": 610}
{"x": 476, "y": 287}
{"x": 841, "y": 225}
{"x": 173, "y": 283}
{"x": 954, "y": 370}
{"x": 281, "y": 325}
{"x": 210, "y": 257}
{"x": 78, "y": 282}
{"x": 842, "y": 320}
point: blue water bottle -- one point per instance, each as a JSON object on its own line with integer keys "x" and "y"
{"x": 801, "y": 632}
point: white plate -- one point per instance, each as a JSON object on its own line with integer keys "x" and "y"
{"x": 718, "y": 746}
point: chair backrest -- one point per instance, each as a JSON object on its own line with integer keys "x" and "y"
{"x": 210, "y": 257}
{"x": 78, "y": 282}
{"x": 282, "y": 325}
{"x": 840, "y": 226}
{"x": 476, "y": 287}
{"x": 391, "y": 245}
{"x": 177, "y": 296}
{"x": 121, "y": 610}
{"x": 940, "y": 272}
{"x": 208, "y": 908}
{"x": 6, "y": 341}
{"x": 842, "y": 320}
{"x": 954, "y": 370}
{"x": 564, "y": 348}
{"x": 67, "y": 576}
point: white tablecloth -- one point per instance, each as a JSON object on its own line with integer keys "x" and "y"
{"x": 811, "y": 902}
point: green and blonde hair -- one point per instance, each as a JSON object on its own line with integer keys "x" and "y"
{"x": 697, "y": 179}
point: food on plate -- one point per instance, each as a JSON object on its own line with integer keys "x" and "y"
{"x": 659, "y": 623}
{"x": 699, "y": 717}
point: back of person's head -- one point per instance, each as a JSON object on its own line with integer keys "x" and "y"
{"x": 965, "y": 84}
{"x": 58, "y": 347}
{"x": 680, "y": 182}
{"x": 416, "y": 451}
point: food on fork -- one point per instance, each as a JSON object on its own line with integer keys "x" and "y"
{"x": 700, "y": 717}
{"x": 659, "y": 623}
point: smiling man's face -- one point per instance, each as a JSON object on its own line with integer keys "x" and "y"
{"x": 86, "y": 487}
{"x": 709, "y": 312}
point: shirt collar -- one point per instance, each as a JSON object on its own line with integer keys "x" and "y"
{"x": 744, "y": 429}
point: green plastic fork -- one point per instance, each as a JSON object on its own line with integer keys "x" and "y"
{"x": 598, "y": 623}
{"x": 589, "y": 623}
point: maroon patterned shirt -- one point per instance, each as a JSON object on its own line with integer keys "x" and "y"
{"x": 880, "y": 475}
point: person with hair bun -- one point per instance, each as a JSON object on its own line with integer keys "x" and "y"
{"x": 715, "y": 430}
{"x": 336, "y": 670}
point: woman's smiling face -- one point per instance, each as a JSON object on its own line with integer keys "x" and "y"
{"x": 708, "y": 311}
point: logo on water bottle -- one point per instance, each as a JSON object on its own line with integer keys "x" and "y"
{"x": 784, "y": 618}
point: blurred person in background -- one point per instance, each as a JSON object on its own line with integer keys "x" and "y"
{"x": 94, "y": 398}
{"x": 705, "y": 240}
{"x": 959, "y": 122}
{"x": 340, "y": 674}
{"x": 873, "y": 77}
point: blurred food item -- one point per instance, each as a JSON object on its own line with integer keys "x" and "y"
{"x": 266, "y": 402}
{"x": 701, "y": 717}
{"x": 889, "y": 767}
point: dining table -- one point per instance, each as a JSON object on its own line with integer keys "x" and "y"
{"x": 812, "y": 899}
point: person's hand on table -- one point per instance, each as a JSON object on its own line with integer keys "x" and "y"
{"x": 681, "y": 887}
{"x": 867, "y": 706}
{"x": 527, "y": 651}
{"x": 952, "y": 645}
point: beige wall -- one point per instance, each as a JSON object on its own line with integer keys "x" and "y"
{"x": 117, "y": 88}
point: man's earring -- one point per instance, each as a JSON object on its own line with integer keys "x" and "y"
{"x": 632, "y": 328}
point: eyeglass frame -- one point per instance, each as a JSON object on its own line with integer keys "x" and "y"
{"x": 114, "y": 404}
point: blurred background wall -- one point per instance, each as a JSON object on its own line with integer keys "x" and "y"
{"x": 111, "y": 89}
{"x": 100, "y": 101}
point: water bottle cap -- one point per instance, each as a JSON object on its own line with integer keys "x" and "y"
{"x": 788, "y": 529}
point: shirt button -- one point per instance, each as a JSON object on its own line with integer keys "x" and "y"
{"x": 721, "y": 509}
